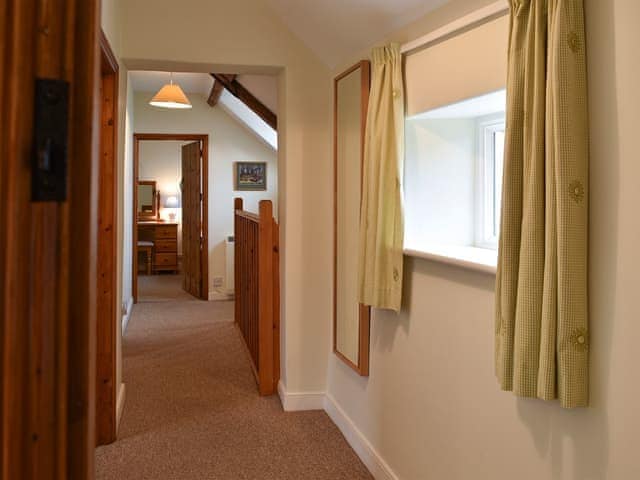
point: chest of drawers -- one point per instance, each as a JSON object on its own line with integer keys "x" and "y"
{"x": 165, "y": 244}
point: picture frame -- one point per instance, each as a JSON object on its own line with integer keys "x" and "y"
{"x": 250, "y": 176}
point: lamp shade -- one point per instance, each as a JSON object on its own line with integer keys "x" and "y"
{"x": 170, "y": 96}
{"x": 171, "y": 201}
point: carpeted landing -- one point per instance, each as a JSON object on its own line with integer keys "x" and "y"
{"x": 192, "y": 409}
{"x": 164, "y": 287}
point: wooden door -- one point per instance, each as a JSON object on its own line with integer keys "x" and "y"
{"x": 48, "y": 240}
{"x": 192, "y": 219}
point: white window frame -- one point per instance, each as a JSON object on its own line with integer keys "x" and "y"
{"x": 485, "y": 237}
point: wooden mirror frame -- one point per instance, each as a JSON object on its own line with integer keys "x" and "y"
{"x": 153, "y": 215}
{"x": 364, "y": 311}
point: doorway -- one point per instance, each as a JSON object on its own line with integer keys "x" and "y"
{"x": 175, "y": 242}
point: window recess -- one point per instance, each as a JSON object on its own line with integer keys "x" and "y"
{"x": 454, "y": 146}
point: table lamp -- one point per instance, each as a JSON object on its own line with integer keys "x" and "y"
{"x": 172, "y": 202}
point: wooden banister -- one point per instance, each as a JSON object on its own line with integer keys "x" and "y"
{"x": 257, "y": 290}
{"x": 237, "y": 207}
{"x": 248, "y": 215}
{"x": 265, "y": 289}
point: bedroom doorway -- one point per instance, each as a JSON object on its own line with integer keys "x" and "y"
{"x": 170, "y": 217}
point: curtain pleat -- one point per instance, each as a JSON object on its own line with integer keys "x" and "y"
{"x": 382, "y": 226}
{"x": 542, "y": 337}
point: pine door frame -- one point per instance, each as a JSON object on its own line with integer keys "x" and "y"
{"x": 204, "y": 258}
{"x": 107, "y": 288}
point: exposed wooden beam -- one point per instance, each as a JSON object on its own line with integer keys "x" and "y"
{"x": 229, "y": 77}
{"x": 216, "y": 91}
{"x": 237, "y": 90}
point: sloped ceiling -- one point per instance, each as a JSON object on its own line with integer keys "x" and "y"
{"x": 264, "y": 87}
{"x": 147, "y": 81}
{"x": 337, "y": 29}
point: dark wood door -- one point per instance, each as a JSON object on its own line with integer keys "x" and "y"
{"x": 48, "y": 249}
{"x": 192, "y": 219}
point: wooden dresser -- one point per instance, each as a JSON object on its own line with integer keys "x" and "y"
{"x": 165, "y": 244}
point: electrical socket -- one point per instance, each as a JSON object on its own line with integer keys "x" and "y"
{"x": 217, "y": 282}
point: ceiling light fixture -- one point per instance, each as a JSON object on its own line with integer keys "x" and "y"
{"x": 170, "y": 96}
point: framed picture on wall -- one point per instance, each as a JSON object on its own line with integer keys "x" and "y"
{"x": 250, "y": 176}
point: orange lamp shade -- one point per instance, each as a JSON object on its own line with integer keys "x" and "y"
{"x": 170, "y": 96}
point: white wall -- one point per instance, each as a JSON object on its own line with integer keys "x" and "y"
{"x": 127, "y": 198}
{"x": 229, "y": 142}
{"x": 432, "y": 408}
{"x": 161, "y": 161}
{"x": 439, "y": 182}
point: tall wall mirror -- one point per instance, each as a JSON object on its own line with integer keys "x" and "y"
{"x": 148, "y": 199}
{"x": 351, "y": 319}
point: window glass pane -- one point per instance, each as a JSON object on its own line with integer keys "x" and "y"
{"x": 498, "y": 162}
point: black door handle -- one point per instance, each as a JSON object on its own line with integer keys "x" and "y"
{"x": 49, "y": 165}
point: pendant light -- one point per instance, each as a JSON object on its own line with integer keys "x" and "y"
{"x": 170, "y": 96}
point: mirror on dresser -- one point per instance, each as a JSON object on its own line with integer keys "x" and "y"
{"x": 148, "y": 200}
{"x": 157, "y": 244}
{"x": 351, "y": 319}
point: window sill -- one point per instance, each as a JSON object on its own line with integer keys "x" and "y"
{"x": 472, "y": 258}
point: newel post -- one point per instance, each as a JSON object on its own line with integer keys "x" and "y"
{"x": 237, "y": 251}
{"x": 265, "y": 289}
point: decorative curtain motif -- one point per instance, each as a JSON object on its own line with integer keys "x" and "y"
{"x": 381, "y": 219}
{"x": 542, "y": 334}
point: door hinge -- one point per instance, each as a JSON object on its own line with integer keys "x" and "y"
{"x": 49, "y": 158}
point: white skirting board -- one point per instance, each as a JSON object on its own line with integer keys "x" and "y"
{"x": 322, "y": 401}
{"x": 369, "y": 456}
{"x": 127, "y": 315}
{"x": 217, "y": 296}
{"x": 294, "y": 402}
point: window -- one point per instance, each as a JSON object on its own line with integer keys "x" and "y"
{"x": 489, "y": 180}
{"x": 455, "y": 104}
{"x": 453, "y": 179}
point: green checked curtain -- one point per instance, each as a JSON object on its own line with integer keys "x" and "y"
{"x": 542, "y": 333}
{"x": 381, "y": 221}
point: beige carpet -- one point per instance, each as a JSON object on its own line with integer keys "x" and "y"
{"x": 193, "y": 412}
{"x": 163, "y": 287}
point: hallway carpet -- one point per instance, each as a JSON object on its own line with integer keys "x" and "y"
{"x": 161, "y": 288}
{"x": 192, "y": 409}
